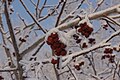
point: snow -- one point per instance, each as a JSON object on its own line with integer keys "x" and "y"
{"x": 31, "y": 79}
{"x": 53, "y": 30}
{"x": 86, "y": 20}
{"x": 100, "y": 1}
{"x": 118, "y": 9}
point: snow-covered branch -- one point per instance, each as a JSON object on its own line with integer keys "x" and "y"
{"x": 83, "y": 52}
{"x": 75, "y": 22}
{"x": 8, "y": 69}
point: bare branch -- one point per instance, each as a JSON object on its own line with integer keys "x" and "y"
{"x": 59, "y": 16}
{"x": 8, "y": 70}
{"x": 32, "y": 17}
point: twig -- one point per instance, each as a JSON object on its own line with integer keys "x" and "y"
{"x": 32, "y": 16}
{"x": 117, "y": 23}
{"x": 73, "y": 73}
{"x": 38, "y": 49}
{"x": 8, "y": 70}
{"x": 98, "y": 6}
{"x": 40, "y": 11}
{"x": 13, "y": 40}
{"x": 115, "y": 70}
{"x": 59, "y": 16}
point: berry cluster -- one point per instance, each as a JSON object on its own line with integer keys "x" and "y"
{"x": 85, "y": 29}
{"x": 91, "y": 41}
{"x": 108, "y": 54}
{"x": 76, "y": 37}
{"x": 56, "y": 45}
{"x": 78, "y": 65}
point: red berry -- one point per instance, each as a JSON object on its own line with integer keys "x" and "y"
{"x": 56, "y": 39}
{"x": 57, "y": 54}
{"x": 56, "y": 44}
{"x": 80, "y": 30}
{"x": 54, "y": 35}
{"x": 53, "y": 47}
{"x": 114, "y": 48}
{"x": 77, "y": 66}
{"x": 62, "y": 45}
{"x": 84, "y": 45}
{"x": 58, "y": 50}
{"x": 63, "y": 52}
{"x": 53, "y": 61}
{"x": 50, "y": 40}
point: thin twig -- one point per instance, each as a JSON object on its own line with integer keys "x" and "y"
{"x": 32, "y": 16}
{"x": 13, "y": 40}
{"x": 59, "y": 16}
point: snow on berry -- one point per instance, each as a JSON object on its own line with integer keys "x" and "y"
{"x": 108, "y": 50}
{"x": 57, "y": 40}
{"x": 85, "y": 28}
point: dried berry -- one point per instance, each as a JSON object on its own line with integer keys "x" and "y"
{"x": 108, "y": 50}
{"x": 84, "y": 45}
{"x": 91, "y": 41}
{"x": 9, "y": 63}
{"x": 81, "y": 63}
{"x": 78, "y": 41}
{"x": 75, "y": 36}
{"x": 103, "y": 57}
{"x": 57, "y": 53}
{"x": 77, "y": 66}
{"x": 105, "y": 26}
